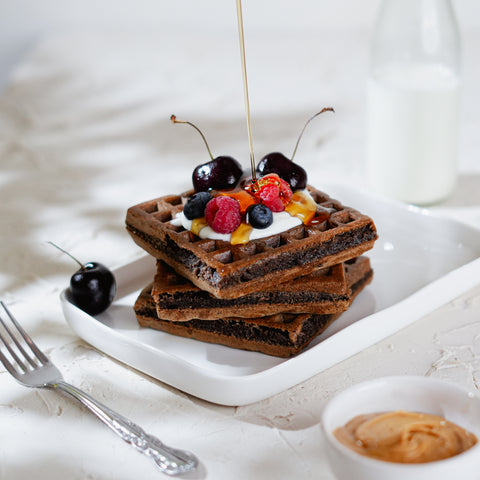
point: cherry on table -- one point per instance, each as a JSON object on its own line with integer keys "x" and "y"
{"x": 92, "y": 286}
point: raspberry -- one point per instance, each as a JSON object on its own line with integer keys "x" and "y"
{"x": 223, "y": 214}
{"x": 272, "y": 191}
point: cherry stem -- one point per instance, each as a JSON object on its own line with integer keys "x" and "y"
{"x": 173, "y": 118}
{"x": 69, "y": 254}
{"x": 326, "y": 109}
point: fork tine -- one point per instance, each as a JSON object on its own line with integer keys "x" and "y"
{"x": 33, "y": 347}
{"x": 7, "y": 364}
{"x": 4, "y": 340}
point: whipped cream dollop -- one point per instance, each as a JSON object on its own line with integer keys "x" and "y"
{"x": 282, "y": 221}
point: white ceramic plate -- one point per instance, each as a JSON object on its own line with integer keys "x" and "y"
{"x": 420, "y": 262}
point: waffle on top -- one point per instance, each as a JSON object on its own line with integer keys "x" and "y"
{"x": 231, "y": 271}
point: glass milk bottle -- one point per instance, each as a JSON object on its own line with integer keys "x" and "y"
{"x": 413, "y": 101}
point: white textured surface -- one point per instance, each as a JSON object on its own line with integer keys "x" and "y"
{"x": 84, "y": 133}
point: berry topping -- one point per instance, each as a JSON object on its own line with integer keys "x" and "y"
{"x": 259, "y": 216}
{"x": 289, "y": 171}
{"x": 272, "y": 191}
{"x": 221, "y": 173}
{"x": 195, "y": 206}
{"x": 243, "y": 197}
{"x": 223, "y": 214}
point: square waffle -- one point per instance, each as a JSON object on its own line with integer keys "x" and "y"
{"x": 282, "y": 334}
{"x": 323, "y": 291}
{"x": 231, "y": 271}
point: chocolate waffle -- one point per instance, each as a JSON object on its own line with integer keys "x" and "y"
{"x": 282, "y": 334}
{"x": 324, "y": 290}
{"x": 338, "y": 233}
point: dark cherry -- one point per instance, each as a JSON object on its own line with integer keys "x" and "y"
{"x": 92, "y": 287}
{"x": 289, "y": 171}
{"x": 259, "y": 216}
{"x": 221, "y": 173}
{"x": 195, "y": 206}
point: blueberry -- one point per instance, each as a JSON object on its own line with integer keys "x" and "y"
{"x": 259, "y": 216}
{"x": 195, "y": 206}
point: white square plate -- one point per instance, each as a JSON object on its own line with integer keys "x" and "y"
{"x": 420, "y": 262}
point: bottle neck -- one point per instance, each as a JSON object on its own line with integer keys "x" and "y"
{"x": 416, "y": 31}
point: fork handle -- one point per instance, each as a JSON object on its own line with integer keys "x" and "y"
{"x": 171, "y": 461}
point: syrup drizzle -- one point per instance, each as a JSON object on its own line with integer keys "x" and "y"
{"x": 245, "y": 86}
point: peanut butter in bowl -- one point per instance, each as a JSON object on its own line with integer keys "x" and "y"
{"x": 403, "y": 427}
{"x": 405, "y": 437}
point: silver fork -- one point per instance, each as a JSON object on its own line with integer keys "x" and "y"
{"x": 30, "y": 367}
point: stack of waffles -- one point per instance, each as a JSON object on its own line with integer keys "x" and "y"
{"x": 272, "y": 295}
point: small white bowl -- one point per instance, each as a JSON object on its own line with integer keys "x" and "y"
{"x": 418, "y": 394}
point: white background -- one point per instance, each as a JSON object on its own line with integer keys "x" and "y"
{"x": 22, "y": 22}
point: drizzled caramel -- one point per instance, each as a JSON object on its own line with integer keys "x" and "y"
{"x": 198, "y": 224}
{"x": 241, "y": 234}
{"x": 302, "y": 206}
{"x": 321, "y": 215}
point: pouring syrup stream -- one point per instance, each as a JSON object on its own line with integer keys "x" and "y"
{"x": 245, "y": 86}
